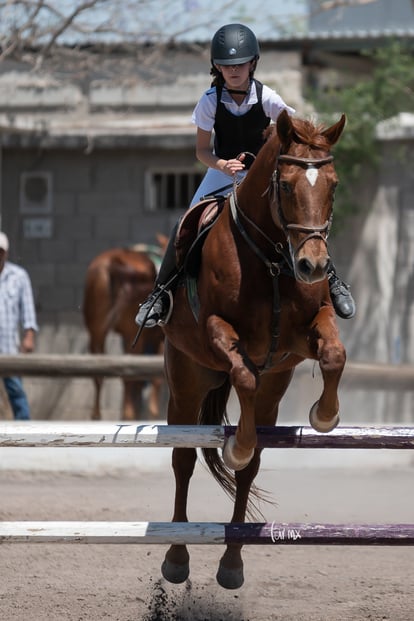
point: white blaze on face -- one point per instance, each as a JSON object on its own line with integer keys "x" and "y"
{"x": 311, "y": 175}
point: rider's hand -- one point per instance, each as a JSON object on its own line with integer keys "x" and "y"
{"x": 233, "y": 166}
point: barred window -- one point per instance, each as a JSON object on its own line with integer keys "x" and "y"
{"x": 171, "y": 189}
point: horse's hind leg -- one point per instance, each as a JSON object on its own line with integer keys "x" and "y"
{"x": 155, "y": 397}
{"x": 230, "y": 572}
{"x": 132, "y": 401}
{"x": 271, "y": 390}
{"x": 96, "y": 346}
{"x": 96, "y": 411}
{"x": 188, "y": 387}
{"x": 176, "y": 566}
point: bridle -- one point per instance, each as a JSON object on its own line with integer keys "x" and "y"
{"x": 318, "y": 232}
{"x": 321, "y": 232}
{"x": 284, "y": 264}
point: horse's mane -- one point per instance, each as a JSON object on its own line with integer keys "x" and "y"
{"x": 304, "y": 132}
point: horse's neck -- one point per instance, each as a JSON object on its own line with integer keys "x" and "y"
{"x": 255, "y": 193}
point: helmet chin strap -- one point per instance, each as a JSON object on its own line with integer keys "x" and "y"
{"x": 236, "y": 92}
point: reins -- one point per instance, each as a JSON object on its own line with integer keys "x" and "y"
{"x": 274, "y": 268}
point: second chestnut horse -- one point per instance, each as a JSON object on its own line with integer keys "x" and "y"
{"x": 118, "y": 280}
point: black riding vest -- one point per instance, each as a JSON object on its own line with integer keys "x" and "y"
{"x": 235, "y": 134}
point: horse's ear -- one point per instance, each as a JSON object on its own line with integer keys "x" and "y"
{"x": 333, "y": 133}
{"x": 284, "y": 128}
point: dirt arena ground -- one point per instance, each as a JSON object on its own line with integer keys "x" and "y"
{"x": 75, "y": 582}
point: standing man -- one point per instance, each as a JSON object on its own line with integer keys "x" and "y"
{"x": 17, "y": 313}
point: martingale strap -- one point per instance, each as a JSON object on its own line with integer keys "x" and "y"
{"x": 275, "y": 270}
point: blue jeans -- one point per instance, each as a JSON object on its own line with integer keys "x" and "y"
{"x": 17, "y": 398}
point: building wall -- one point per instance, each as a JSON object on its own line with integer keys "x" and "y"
{"x": 97, "y": 203}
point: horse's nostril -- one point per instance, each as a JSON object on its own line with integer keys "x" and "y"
{"x": 305, "y": 267}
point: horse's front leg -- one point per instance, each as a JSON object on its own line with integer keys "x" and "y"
{"x": 324, "y": 414}
{"x": 230, "y": 572}
{"x": 176, "y": 565}
{"x": 225, "y": 342}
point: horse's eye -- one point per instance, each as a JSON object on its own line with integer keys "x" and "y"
{"x": 286, "y": 187}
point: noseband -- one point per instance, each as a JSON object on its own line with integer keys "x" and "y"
{"x": 310, "y": 232}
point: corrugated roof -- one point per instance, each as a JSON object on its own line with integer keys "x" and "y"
{"x": 380, "y": 16}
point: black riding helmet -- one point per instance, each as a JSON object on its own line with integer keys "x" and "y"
{"x": 234, "y": 44}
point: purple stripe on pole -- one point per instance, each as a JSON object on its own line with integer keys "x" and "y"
{"x": 341, "y": 437}
{"x": 280, "y": 533}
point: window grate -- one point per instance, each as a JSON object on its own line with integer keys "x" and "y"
{"x": 172, "y": 189}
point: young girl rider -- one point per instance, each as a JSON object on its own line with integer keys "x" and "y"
{"x": 236, "y": 109}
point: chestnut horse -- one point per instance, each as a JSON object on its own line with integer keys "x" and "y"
{"x": 263, "y": 307}
{"x": 116, "y": 281}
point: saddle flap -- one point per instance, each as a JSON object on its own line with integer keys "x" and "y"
{"x": 193, "y": 223}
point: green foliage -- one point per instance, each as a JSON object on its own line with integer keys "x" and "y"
{"x": 388, "y": 91}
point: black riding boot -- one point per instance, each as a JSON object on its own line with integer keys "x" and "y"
{"x": 156, "y": 308}
{"x": 341, "y": 297}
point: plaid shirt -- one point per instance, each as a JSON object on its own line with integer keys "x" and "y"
{"x": 16, "y": 307}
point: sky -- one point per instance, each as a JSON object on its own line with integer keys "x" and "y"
{"x": 140, "y": 21}
{"x": 184, "y": 20}
{"x": 189, "y": 20}
{"x": 266, "y": 17}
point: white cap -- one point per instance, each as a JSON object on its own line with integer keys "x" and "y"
{"x": 4, "y": 242}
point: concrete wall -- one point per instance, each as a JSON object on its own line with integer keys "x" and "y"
{"x": 97, "y": 203}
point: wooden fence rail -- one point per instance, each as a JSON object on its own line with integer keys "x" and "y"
{"x": 367, "y": 376}
{"x": 82, "y": 365}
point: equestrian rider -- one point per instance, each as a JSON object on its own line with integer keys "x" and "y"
{"x": 237, "y": 108}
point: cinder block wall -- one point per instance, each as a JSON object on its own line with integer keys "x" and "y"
{"x": 97, "y": 204}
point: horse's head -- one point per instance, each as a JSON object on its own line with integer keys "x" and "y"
{"x": 305, "y": 182}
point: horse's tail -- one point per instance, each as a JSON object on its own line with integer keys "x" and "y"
{"x": 213, "y": 412}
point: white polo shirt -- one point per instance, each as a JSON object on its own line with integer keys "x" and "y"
{"x": 204, "y": 114}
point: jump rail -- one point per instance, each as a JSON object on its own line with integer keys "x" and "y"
{"x": 113, "y": 434}
{"x": 95, "y": 434}
{"x": 207, "y": 533}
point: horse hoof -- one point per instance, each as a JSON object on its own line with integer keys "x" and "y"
{"x": 230, "y": 578}
{"x": 321, "y": 425}
{"x": 175, "y": 573}
{"x": 230, "y": 458}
